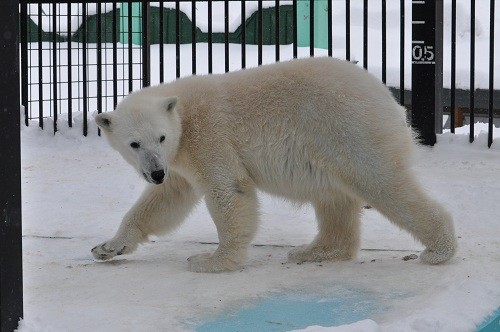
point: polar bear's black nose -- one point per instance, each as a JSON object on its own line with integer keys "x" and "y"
{"x": 158, "y": 176}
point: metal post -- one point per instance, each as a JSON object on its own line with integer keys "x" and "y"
{"x": 243, "y": 35}
{"x": 427, "y": 68}
{"x": 226, "y": 36}
{"x": 177, "y": 39}
{"x": 193, "y": 37}
{"x": 11, "y": 286}
{"x": 491, "y": 72}
{"x": 348, "y": 30}
{"x": 146, "y": 46}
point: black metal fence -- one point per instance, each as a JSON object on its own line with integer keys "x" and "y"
{"x": 11, "y": 267}
{"x": 83, "y": 57}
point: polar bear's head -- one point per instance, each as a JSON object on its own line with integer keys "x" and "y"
{"x": 146, "y": 131}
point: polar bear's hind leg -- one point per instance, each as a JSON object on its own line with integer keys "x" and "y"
{"x": 339, "y": 231}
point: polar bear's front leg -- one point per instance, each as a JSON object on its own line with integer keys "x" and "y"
{"x": 234, "y": 211}
{"x": 160, "y": 208}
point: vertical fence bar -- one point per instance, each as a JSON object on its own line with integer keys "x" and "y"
{"x": 294, "y": 19}
{"x": 11, "y": 267}
{"x": 99, "y": 63}
{"x": 193, "y": 37}
{"x": 177, "y": 39}
{"x": 491, "y": 72}
{"x": 402, "y": 54}
{"x": 210, "y": 45}
{"x": 29, "y": 60}
{"x": 243, "y": 35}
{"x": 311, "y": 28}
{"x": 348, "y": 30}
{"x": 384, "y": 41}
{"x": 24, "y": 60}
{"x": 330, "y": 27}
{"x": 59, "y": 55}
{"x": 70, "y": 68}
{"x": 40, "y": 68}
{"x": 114, "y": 39}
{"x": 84, "y": 72}
{"x": 277, "y": 29}
{"x": 438, "y": 50}
{"x": 260, "y": 33}
{"x": 472, "y": 67}
{"x": 427, "y": 68}
{"x": 453, "y": 64}
{"x": 161, "y": 37}
{"x": 365, "y": 34}
{"x": 78, "y": 66}
{"x": 146, "y": 46}
{"x": 226, "y": 36}
{"x": 54, "y": 64}
{"x": 130, "y": 34}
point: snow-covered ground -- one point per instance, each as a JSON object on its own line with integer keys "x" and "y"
{"x": 76, "y": 189}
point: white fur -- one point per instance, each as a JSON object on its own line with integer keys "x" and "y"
{"x": 312, "y": 130}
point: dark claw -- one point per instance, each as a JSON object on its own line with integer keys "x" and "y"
{"x": 121, "y": 251}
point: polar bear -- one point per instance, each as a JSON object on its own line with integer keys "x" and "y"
{"x": 317, "y": 130}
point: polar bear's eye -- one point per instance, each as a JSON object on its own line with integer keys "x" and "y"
{"x": 162, "y": 138}
{"x": 134, "y": 145}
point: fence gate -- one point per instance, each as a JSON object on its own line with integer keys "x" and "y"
{"x": 11, "y": 286}
{"x": 427, "y": 68}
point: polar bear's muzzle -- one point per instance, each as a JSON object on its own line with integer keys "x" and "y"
{"x": 155, "y": 177}
{"x": 158, "y": 176}
{"x": 153, "y": 169}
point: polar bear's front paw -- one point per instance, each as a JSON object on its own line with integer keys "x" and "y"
{"x": 435, "y": 256}
{"x": 112, "y": 248}
{"x": 441, "y": 250}
{"x": 210, "y": 263}
{"x": 310, "y": 253}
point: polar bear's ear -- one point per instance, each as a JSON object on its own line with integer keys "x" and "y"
{"x": 168, "y": 104}
{"x": 103, "y": 120}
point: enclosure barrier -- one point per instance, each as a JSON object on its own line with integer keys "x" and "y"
{"x": 105, "y": 50}
{"x": 86, "y": 56}
{"x": 11, "y": 285}
{"x": 427, "y": 68}
{"x": 51, "y": 69}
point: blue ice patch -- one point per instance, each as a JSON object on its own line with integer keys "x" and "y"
{"x": 296, "y": 311}
{"x": 491, "y": 323}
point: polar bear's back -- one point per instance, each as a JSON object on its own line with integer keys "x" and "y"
{"x": 310, "y": 115}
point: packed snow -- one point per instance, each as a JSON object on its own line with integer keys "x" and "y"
{"x": 76, "y": 190}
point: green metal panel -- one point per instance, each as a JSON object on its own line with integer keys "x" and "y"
{"x": 320, "y": 23}
{"x": 135, "y": 29}
{"x": 185, "y": 24}
{"x": 106, "y": 29}
{"x": 33, "y": 33}
{"x": 268, "y": 27}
